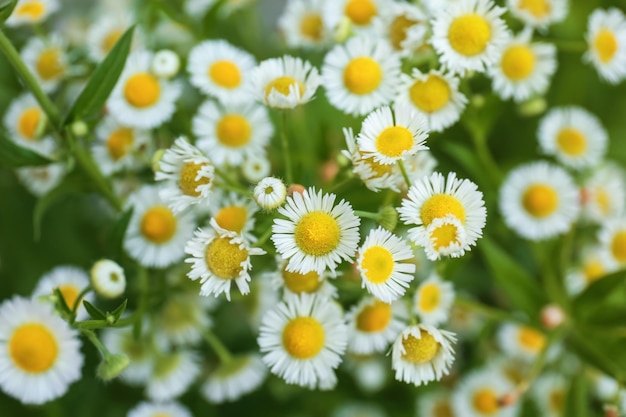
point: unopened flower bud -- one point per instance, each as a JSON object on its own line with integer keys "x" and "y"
{"x": 388, "y": 218}
{"x": 156, "y": 160}
{"x": 532, "y": 107}
{"x": 165, "y": 64}
{"x": 295, "y": 188}
{"x": 111, "y": 366}
{"x": 108, "y": 278}
{"x": 552, "y": 316}
{"x": 79, "y": 128}
{"x": 343, "y": 30}
{"x": 508, "y": 399}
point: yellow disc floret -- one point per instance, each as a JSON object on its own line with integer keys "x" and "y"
{"x": 537, "y": 8}
{"x": 111, "y": 39}
{"x": 233, "y": 130}
{"x": 374, "y": 317}
{"x": 444, "y": 236}
{"x": 312, "y": 26}
{"x": 469, "y": 34}
{"x": 33, "y": 348}
{"x": 606, "y": 45}
{"x": 299, "y": 283}
{"x": 422, "y": 350}
{"x": 439, "y": 206}
{"x": 531, "y": 339}
{"x": 618, "y": 246}
{"x": 571, "y": 142}
{"x": 225, "y": 74}
{"x": 33, "y": 10}
{"x": 158, "y": 224}
{"x": 377, "y": 264}
{"x": 283, "y": 85}
{"x": 70, "y": 294}
{"x": 398, "y": 29}
{"x": 120, "y": 142}
{"x": 317, "y": 233}
{"x": 142, "y": 90}
{"x": 360, "y": 12}
{"x": 485, "y": 401}
{"x": 189, "y": 181}
{"x": 540, "y": 200}
{"x": 430, "y": 95}
{"x": 28, "y": 122}
{"x": 224, "y": 258}
{"x": 303, "y": 337}
{"x": 429, "y": 297}
{"x": 232, "y": 218}
{"x": 49, "y": 65}
{"x": 518, "y": 62}
{"x": 394, "y": 141}
{"x": 362, "y": 75}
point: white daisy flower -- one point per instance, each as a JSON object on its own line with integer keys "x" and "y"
{"x": 104, "y": 33}
{"x": 256, "y": 167}
{"x": 520, "y": 341}
{"x": 389, "y": 135}
{"x": 41, "y": 179}
{"x": 221, "y": 70}
{"x": 140, "y": 99}
{"x": 47, "y": 60}
{"x": 270, "y": 193}
{"x": 187, "y": 174}
{"x": 538, "y": 13}
{"x": 303, "y": 339}
{"x": 302, "y": 24}
{"x": 294, "y": 283}
{"x": 169, "y": 409}
{"x": 370, "y": 373}
{"x": 165, "y": 64}
{"x": 316, "y": 234}
{"x": 31, "y": 12}
{"x": 524, "y": 69}
{"x": 435, "y": 95}
{"x": 182, "y": 320}
{"x": 140, "y": 353}
{"x": 550, "y": 394}
{"x": 469, "y": 35}
{"x": 449, "y": 215}
{"x": 219, "y": 257}
{"x": 433, "y": 300}
{"x": 435, "y": 404}
{"x": 234, "y": 379}
{"x": 25, "y": 121}
{"x": 39, "y": 353}
{"x": 373, "y": 325}
{"x": 592, "y": 264}
{"x": 403, "y": 25}
{"x": 155, "y": 236}
{"x": 116, "y": 146}
{"x": 108, "y": 278}
{"x": 604, "y": 193}
{"x": 386, "y": 264}
{"x": 360, "y": 14}
{"x": 360, "y": 75}
{"x": 606, "y": 37}
{"x": 235, "y": 214}
{"x": 539, "y": 200}
{"x": 478, "y": 395}
{"x": 172, "y": 375}
{"x": 422, "y": 354}
{"x": 573, "y": 136}
{"x": 232, "y": 132}
{"x": 612, "y": 237}
{"x": 71, "y": 281}
{"x": 284, "y": 82}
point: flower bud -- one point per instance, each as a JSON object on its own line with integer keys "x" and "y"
{"x": 108, "y": 278}
{"x": 111, "y": 366}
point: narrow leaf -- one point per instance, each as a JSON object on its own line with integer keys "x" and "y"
{"x": 599, "y": 290}
{"x": 587, "y": 349}
{"x": 94, "y": 311}
{"x": 117, "y": 313}
{"x": 61, "y": 304}
{"x": 118, "y": 230}
{"x": 15, "y": 156}
{"x": 577, "y": 403}
{"x": 6, "y": 8}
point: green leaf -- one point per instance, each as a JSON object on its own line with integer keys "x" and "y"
{"x": 598, "y": 291}
{"x": 605, "y": 316}
{"x": 14, "y": 156}
{"x": 60, "y": 301}
{"x": 589, "y": 350}
{"x": 577, "y": 402}
{"x": 117, "y": 313}
{"x": 94, "y": 311}
{"x": 102, "y": 81}
{"x": 6, "y": 8}
{"x": 468, "y": 161}
{"x": 116, "y": 235}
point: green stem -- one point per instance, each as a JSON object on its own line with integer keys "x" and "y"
{"x": 142, "y": 277}
{"x": 78, "y": 301}
{"x": 484, "y": 156}
{"x": 491, "y": 312}
{"x": 264, "y": 237}
{"x": 573, "y": 46}
{"x": 404, "y": 173}
{"x": 285, "y": 144}
{"x": 217, "y": 345}
{"x": 367, "y": 214}
{"x": 233, "y": 188}
{"x": 226, "y": 177}
{"x": 104, "y": 352}
{"x": 336, "y": 186}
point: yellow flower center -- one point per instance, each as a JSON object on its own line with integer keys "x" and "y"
{"x": 571, "y": 141}
{"x": 374, "y": 317}
{"x": 311, "y": 26}
{"x": 49, "y": 65}
{"x": 431, "y": 94}
{"x": 540, "y": 200}
{"x": 28, "y": 122}
{"x": 33, "y": 10}
{"x": 158, "y": 224}
{"x": 299, "y": 283}
{"x": 317, "y": 233}
{"x": 420, "y": 350}
{"x": 142, "y": 90}
{"x": 394, "y": 141}
{"x": 136, "y": 349}
{"x": 485, "y": 401}
{"x": 360, "y": 12}
{"x": 232, "y": 218}
{"x": 442, "y": 409}
{"x": 224, "y": 258}
{"x": 531, "y": 339}
{"x": 537, "y": 8}
{"x": 70, "y": 294}
{"x": 557, "y": 400}
{"x": 362, "y": 75}
{"x": 176, "y": 315}
{"x": 469, "y": 34}
{"x": 111, "y": 39}
{"x": 377, "y": 264}
{"x": 603, "y": 200}
{"x": 225, "y": 74}
{"x": 120, "y": 142}
{"x": 605, "y": 44}
{"x": 233, "y": 130}
{"x": 161, "y": 415}
{"x": 444, "y": 236}
{"x": 398, "y": 29}
{"x": 518, "y": 62}
{"x": 378, "y": 168}
{"x": 33, "y": 348}
{"x": 303, "y": 337}
{"x": 282, "y": 85}
{"x": 429, "y": 297}
{"x": 439, "y": 206}
{"x": 593, "y": 269}
{"x": 189, "y": 180}
{"x": 618, "y": 246}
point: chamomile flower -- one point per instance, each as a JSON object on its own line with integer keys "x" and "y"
{"x": 373, "y": 325}
{"x": 232, "y": 132}
{"x": 435, "y": 404}
{"x": 434, "y": 95}
{"x": 604, "y": 194}
{"x": 116, "y": 145}
{"x": 140, "y": 352}
{"x": 360, "y": 13}
{"x": 478, "y": 395}
{"x": 108, "y": 278}
{"x": 104, "y": 33}
{"x": 389, "y": 135}
{"x": 433, "y": 300}
{"x": 316, "y": 234}
{"x": 31, "y": 12}
{"x": 71, "y": 281}
{"x": 172, "y": 375}
{"x": 187, "y": 174}
{"x": 25, "y": 121}
{"x": 469, "y": 35}
{"x": 361, "y": 75}
{"x": 539, "y": 200}
{"x": 386, "y": 263}
{"x": 573, "y": 136}
{"x": 270, "y": 193}
{"x": 520, "y": 341}
{"x": 140, "y": 99}
{"x": 302, "y": 24}
{"x": 284, "y": 82}
{"x": 538, "y": 13}
{"x": 403, "y": 25}
{"x": 449, "y": 214}
{"x": 155, "y": 236}
{"x": 182, "y": 319}
{"x": 221, "y": 70}
{"x": 256, "y": 167}
{"x": 218, "y": 258}
{"x": 422, "y": 354}
{"x": 550, "y": 394}
{"x": 612, "y": 237}
{"x": 303, "y": 339}
{"x": 47, "y": 61}
{"x": 524, "y": 69}
{"x": 235, "y": 214}
{"x": 165, "y": 64}
{"x": 594, "y": 263}
{"x": 41, "y": 179}
{"x": 169, "y": 409}
{"x": 294, "y": 283}
{"x": 39, "y": 353}
{"x": 234, "y": 379}
{"x": 606, "y": 37}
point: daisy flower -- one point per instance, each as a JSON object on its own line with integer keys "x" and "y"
{"x": 235, "y": 214}
{"x": 41, "y": 179}
{"x": 316, "y": 234}
{"x": 219, "y": 257}
{"x": 612, "y": 237}
{"x": 604, "y": 193}
{"x": 386, "y": 264}
{"x": 524, "y": 69}
{"x": 140, "y": 353}
{"x": 169, "y": 409}
{"x": 155, "y": 236}
{"x": 539, "y": 200}
{"x": 538, "y": 13}
{"x": 25, "y": 121}
{"x": 234, "y": 379}
{"x": 108, "y": 278}
{"x": 434, "y": 95}
{"x": 422, "y": 354}
{"x": 360, "y": 75}
{"x": 360, "y": 13}
{"x": 478, "y": 395}
{"x": 221, "y": 70}
{"x": 187, "y": 174}
{"x": 550, "y": 394}
{"x": 232, "y": 132}
{"x": 403, "y": 25}
{"x": 433, "y": 300}
{"x": 116, "y": 146}
{"x": 140, "y": 99}
{"x": 182, "y": 319}
{"x": 172, "y": 375}
{"x": 373, "y": 325}
{"x": 520, "y": 341}
{"x": 70, "y": 281}
{"x": 435, "y": 404}
{"x": 592, "y": 264}
{"x": 389, "y": 135}
{"x": 165, "y": 64}
{"x": 303, "y": 339}
{"x": 270, "y": 193}
{"x": 39, "y": 353}
{"x": 47, "y": 60}
{"x": 31, "y": 12}
{"x": 302, "y": 24}
{"x": 256, "y": 167}
{"x": 606, "y": 37}
{"x": 469, "y": 35}
{"x": 104, "y": 33}
{"x": 294, "y": 283}
{"x": 449, "y": 215}
{"x": 573, "y": 136}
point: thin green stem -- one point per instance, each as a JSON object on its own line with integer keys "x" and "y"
{"x": 233, "y": 188}
{"x": 104, "y": 352}
{"x": 490, "y": 312}
{"x": 479, "y": 140}
{"x": 367, "y": 214}
{"x": 226, "y": 177}
{"x": 264, "y": 237}
{"x": 404, "y": 173}
{"x": 216, "y": 344}
{"x": 336, "y": 186}
{"x": 285, "y": 145}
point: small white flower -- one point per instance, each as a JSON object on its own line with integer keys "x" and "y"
{"x": 47, "y": 60}
{"x": 302, "y": 24}
{"x": 108, "y": 278}
{"x": 169, "y": 409}
{"x": 172, "y": 375}
{"x": 70, "y": 281}
{"x": 234, "y": 379}
{"x": 256, "y": 167}
{"x": 31, "y": 12}
{"x": 165, "y": 64}
{"x": 478, "y": 394}
{"x": 117, "y": 147}
{"x": 606, "y": 37}
{"x": 433, "y": 300}
{"x": 270, "y": 193}
{"x": 539, "y": 13}
{"x": 520, "y": 341}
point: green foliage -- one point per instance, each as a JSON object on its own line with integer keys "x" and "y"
{"x": 15, "y": 156}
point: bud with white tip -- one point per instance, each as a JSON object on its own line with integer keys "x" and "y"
{"x": 108, "y": 278}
